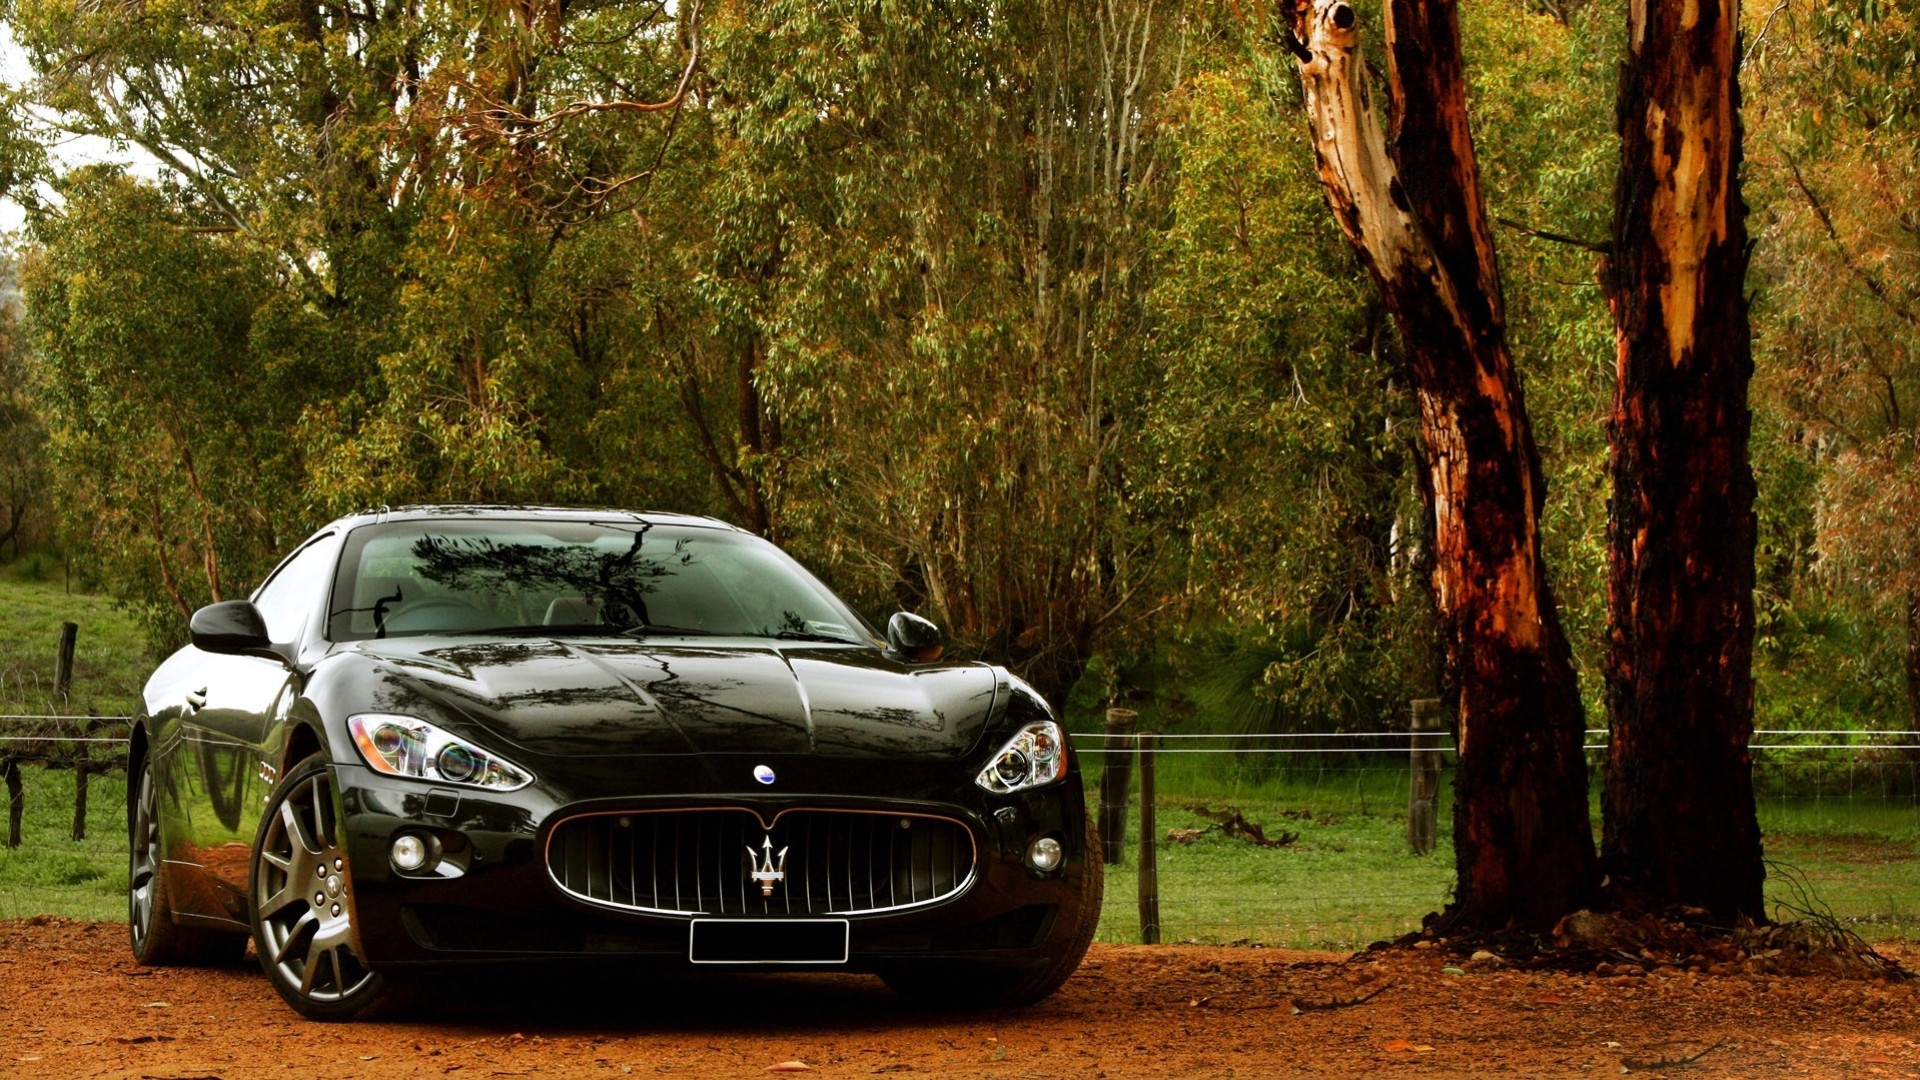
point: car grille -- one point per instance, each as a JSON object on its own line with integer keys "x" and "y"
{"x": 702, "y": 862}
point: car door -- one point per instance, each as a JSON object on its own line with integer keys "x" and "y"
{"x": 230, "y": 729}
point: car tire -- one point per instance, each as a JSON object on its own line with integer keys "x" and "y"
{"x": 300, "y": 891}
{"x": 157, "y": 940}
{"x": 960, "y": 984}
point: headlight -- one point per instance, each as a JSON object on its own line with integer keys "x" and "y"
{"x": 1035, "y": 756}
{"x": 410, "y": 747}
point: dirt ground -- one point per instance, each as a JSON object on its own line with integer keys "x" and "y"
{"x": 74, "y": 1004}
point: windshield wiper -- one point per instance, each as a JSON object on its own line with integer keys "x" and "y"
{"x": 807, "y": 635}
{"x": 650, "y": 629}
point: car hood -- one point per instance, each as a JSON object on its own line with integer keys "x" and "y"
{"x": 592, "y": 697}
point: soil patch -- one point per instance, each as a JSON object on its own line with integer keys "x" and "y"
{"x": 74, "y": 1004}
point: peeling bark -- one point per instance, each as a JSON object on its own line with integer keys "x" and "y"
{"x": 1411, "y": 206}
{"x": 1680, "y": 824}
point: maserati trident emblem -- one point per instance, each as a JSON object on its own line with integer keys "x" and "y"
{"x": 763, "y": 774}
{"x": 768, "y": 872}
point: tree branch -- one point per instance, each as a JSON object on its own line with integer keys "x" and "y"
{"x": 1558, "y": 238}
{"x": 1897, "y": 305}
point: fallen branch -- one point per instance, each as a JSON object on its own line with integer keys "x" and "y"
{"x": 1670, "y": 1063}
{"x": 1339, "y": 1003}
{"x": 1232, "y": 823}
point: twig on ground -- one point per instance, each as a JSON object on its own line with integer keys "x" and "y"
{"x": 1670, "y": 1063}
{"x": 1300, "y": 1006}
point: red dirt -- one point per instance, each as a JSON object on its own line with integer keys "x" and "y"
{"x": 74, "y": 1004}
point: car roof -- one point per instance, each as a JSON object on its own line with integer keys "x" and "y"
{"x": 504, "y": 512}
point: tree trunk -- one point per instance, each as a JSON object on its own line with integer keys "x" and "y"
{"x": 1523, "y": 844}
{"x": 1680, "y": 825}
{"x": 1912, "y": 656}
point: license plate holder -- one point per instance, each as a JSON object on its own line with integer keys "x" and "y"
{"x": 768, "y": 941}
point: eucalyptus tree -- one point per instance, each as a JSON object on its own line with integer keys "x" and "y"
{"x": 1838, "y": 156}
{"x": 167, "y": 424}
{"x": 275, "y": 228}
{"x": 1679, "y": 810}
{"x": 1280, "y": 432}
{"x": 1413, "y": 210}
{"x": 929, "y": 253}
{"x": 24, "y": 493}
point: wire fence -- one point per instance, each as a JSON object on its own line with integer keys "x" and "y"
{"x": 1839, "y": 812}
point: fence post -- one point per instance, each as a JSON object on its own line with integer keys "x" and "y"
{"x": 16, "y": 804}
{"x": 1115, "y": 777}
{"x": 63, "y": 663}
{"x": 1423, "y": 783}
{"x": 1149, "y": 877}
{"x": 83, "y": 768}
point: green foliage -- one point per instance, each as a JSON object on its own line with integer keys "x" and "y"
{"x": 1542, "y": 111}
{"x": 1031, "y": 317}
{"x": 143, "y": 329}
{"x": 25, "y": 513}
{"x": 1837, "y": 344}
{"x": 1281, "y": 436}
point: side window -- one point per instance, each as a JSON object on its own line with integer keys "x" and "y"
{"x": 300, "y": 585}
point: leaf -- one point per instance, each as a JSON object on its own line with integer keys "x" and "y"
{"x": 790, "y": 1066}
{"x": 1452, "y": 971}
{"x": 1403, "y": 1046}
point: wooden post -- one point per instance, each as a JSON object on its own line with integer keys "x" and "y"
{"x": 1149, "y": 876}
{"x": 1423, "y": 782}
{"x": 63, "y": 663}
{"x": 16, "y": 802}
{"x": 83, "y": 768}
{"x": 1115, "y": 777}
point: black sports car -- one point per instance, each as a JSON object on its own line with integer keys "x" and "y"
{"x": 445, "y": 737}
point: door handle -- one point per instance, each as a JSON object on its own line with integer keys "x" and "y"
{"x": 197, "y": 699}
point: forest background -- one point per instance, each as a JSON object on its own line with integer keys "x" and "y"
{"x": 1029, "y": 318}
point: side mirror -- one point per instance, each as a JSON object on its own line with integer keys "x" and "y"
{"x": 913, "y": 638}
{"x": 233, "y": 627}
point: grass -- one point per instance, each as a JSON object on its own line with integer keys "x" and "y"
{"x": 110, "y": 658}
{"x": 1351, "y": 878}
{"x": 53, "y": 874}
{"x": 1348, "y": 879}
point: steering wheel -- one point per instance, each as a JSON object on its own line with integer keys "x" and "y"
{"x": 437, "y": 613}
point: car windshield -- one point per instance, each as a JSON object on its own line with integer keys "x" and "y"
{"x": 463, "y": 576}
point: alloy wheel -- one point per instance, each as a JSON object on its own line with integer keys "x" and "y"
{"x": 143, "y": 860}
{"x": 303, "y": 908}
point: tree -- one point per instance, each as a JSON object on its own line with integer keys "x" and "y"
{"x": 165, "y": 425}
{"x": 929, "y": 249}
{"x": 1412, "y": 209}
{"x": 1281, "y": 431}
{"x": 1835, "y": 163}
{"x": 23, "y": 474}
{"x": 1679, "y": 815}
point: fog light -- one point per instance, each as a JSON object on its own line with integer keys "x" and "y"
{"x": 410, "y": 852}
{"x": 1044, "y": 854}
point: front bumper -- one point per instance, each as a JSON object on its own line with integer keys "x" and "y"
{"x": 492, "y": 898}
